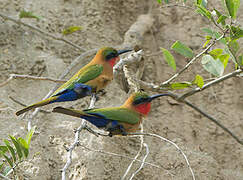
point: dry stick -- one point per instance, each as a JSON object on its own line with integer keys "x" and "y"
{"x": 213, "y": 120}
{"x": 177, "y": 147}
{"x": 143, "y": 161}
{"x": 123, "y": 156}
{"x": 21, "y": 76}
{"x": 76, "y": 140}
{"x": 74, "y": 63}
{"x": 42, "y": 32}
{"x": 137, "y": 155}
{"x": 192, "y": 61}
{"x": 218, "y": 80}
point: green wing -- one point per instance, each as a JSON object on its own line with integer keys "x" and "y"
{"x": 84, "y": 75}
{"x": 117, "y": 113}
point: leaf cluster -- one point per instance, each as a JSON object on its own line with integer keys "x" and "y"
{"x": 14, "y": 151}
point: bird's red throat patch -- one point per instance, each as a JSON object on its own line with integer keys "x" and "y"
{"x": 143, "y": 108}
{"x": 113, "y": 61}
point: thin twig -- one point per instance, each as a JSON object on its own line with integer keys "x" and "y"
{"x": 214, "y": 121}
{"x": 122, "y": 156}
{"x": 177, "y": 147}
{"x": 192, "y": 60}
{"x": 21, "y": 76}
{"x": 42, "y": 32}
{"x": 76, "y": 140}
{"x": 178, "y": 5}
{"x": 137, "y": 155}
{"x": 142, "y": 164}
{"x": 216, "y": 81}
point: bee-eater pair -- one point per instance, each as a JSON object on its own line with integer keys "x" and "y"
{"x": 92, "y": 78}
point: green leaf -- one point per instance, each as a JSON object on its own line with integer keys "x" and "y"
{"x": 1, "y": 166}
{"x": 240, "y": 60}
{"x": 232, "y": 7}
{"x": 28, "y": 14}
{"x": 17, "y": 146}
{"x": 214, "y": 34}
{"x": 222, "y": 19}
{"x": 166, "y": 1}
{"x": 6, "y": 170}
{"x": 203, "y": 11}
{"x": 182, "y": 49}
{"x": 198, "y": 81}
{"x": 71, "y": 30}
{"x": 231, "y": 55}
{"x": 206, "y": 43}
{"x": 11, "y": 149}
{"x": 10, "y": 162}
{"x": 216, "y": 52}
{"x": 235, "y": 32}
{"x": 24, "y": 146}
{"x": 180, "y": 85}
{"x": 214, "y": 67}
{"x": 29, "y": 136}
{"x": 159, "y": 1}
{"x": 224, "y": 58}
{"x": 169, "y": 58}
{"x": 234, "y": 46}
{"x": 202, "y": 2}
{"x": 3, "y": 149}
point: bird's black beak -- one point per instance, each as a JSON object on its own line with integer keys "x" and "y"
{"x": 156, "y": 96}
{"x": 123, "y": 51}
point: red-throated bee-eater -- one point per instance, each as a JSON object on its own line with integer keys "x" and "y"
{"x": 93, "y": 77}
{"x": 117, "y": 120}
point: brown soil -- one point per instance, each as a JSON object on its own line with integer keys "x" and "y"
{"x": 212, "y": 153}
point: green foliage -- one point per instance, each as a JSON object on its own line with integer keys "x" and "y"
{"x": 71, "y": 30}
{"x": 214, "y": 34}
{"x": 13, "y": 151}
{"x": 232, "y": 7}
{"x": 182, "y": 49}
{"x": 28, "y": 14}
{"x": 198, "y": 81}
{"x": 224, "y": 58}
{"x": 169, "y": 58}
{"x": 178, "y": 85}
{"x": 213, "y": 66}
{"x": 203, "y": 11}
{"x": 235, "y": 32}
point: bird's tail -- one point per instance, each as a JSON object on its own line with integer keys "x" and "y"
{"x": 71, "y": 112}
{"x": 39, "y": 104}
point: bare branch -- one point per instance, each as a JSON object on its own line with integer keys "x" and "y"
{"x": 214, "y": 121}
{"x": 177, "y": 147}
{"x": 144, "y": 158}
{"x": 76, "y": 140}
{"x": 21, "y": 76}
{"x": 42, "y": 32}
{"x": 218, "y": 80}
{"x": 123, "y": 156}
{"x": 137, "y": 155}
{"x": 193, "y": 60}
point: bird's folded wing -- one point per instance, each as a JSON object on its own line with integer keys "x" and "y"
{"x": 116, "y": 113}
{"x": 84, "y": 75}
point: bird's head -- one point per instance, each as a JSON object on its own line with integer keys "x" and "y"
{"x": 141, "y": 102}
{"x": 111, "y": 55}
